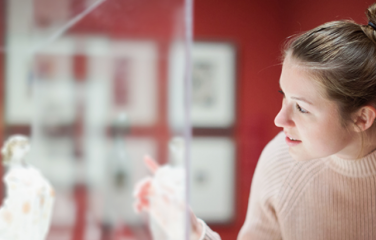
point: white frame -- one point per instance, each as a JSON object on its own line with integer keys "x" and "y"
{"x": 221, "y": 113}
{"x": 142, "y": 105}
{"x": 100, "y": 169}
{"x": 23, "y": 44}
{"x": 213, "y": 160}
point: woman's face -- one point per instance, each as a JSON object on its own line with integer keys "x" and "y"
{"x": 311, "y": 122}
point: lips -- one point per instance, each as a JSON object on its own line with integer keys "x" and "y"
{"x": 291, "y": 142}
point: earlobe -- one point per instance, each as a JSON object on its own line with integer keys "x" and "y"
{"x": 364, "y": 118}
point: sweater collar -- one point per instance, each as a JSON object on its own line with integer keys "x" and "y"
{"x": 363, "y": 167}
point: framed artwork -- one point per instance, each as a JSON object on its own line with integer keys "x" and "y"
{"x": 121, "y": 78}
{"x": 134, "y": 81}
{"x": 52, "y": 67}
{"x": 122, "y": 81}
{"x": 114, "y": 166}
{"x": 54, "y": 157}
{"x": 212, "y": 178}
{"x": 213, "y": 85}
{"x": 27, "y": 59}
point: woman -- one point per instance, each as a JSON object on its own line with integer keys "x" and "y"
{"x": 317, "y": 178}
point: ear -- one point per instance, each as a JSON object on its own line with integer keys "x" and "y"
{"x": 364, "y": 118}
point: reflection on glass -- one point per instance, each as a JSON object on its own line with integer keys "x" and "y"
{"x": 89, "y": 79}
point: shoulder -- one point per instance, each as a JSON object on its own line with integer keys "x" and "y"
{"x": 276, "y": 169}
{"x": 274, "y": 158}
{"x": 277, "y": 173}
{"x": 272, "y": 168}
{"x": 275, "y": 183}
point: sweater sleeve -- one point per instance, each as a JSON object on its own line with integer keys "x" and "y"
{"x": 262, "y": 215}
{"x": 207, "y": 233}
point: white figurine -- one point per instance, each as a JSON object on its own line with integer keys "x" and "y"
{"x": 27, "y": 207}
{"x": 163, "y": 196}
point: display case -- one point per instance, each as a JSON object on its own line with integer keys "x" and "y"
{"x": 99, "y": 84}
{"x": 87, "y": 80}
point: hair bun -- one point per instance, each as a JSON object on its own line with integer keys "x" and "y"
{"x": 371, "y": 14}
{"x": 370, "y": 29}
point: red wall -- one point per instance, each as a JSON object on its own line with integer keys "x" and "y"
{"x": 253, "y": 27}
{"x": 259, "y": 29}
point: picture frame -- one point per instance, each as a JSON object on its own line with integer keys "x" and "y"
{"x": 122, "y": 81}
{"x": 114, "y": 167}
{"x": 213, "y": 188}
{"x": 213, "y": 85}
{"x": 52, "y": 65}
{"x": 134, "y": 82}
{"x": 121, "y": 77}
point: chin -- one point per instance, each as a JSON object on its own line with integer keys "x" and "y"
{"x": 299, "y": 156}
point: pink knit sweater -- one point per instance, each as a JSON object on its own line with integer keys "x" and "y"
{"x": 328, "y": 198}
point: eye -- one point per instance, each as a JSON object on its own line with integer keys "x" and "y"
{"x": 302, "y": 110}
{"x": 281, "y": 92}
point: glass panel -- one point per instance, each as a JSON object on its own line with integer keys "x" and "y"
{"x": 98, "y": 84}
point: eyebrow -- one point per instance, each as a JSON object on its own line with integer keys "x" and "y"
{"x": 301, "y": 99}
{"x": 297, "y": 98}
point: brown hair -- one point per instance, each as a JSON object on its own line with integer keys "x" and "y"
{"x": 342, "y": 56}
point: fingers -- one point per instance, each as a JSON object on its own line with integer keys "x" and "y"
{"x": 194, "y": 221}
{"x": 197, "y": 227}
{"x": 151, "y": 164}
{"x": 141, "y": 193}
{"x": 141, "y": 205}
{"x": 143, "y": 189}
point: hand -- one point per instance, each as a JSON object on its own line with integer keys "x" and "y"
{"x": 144, "y": 190}
{"x": 196, "y": 226}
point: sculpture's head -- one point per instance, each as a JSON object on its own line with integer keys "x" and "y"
{"x": 15, "y": 149}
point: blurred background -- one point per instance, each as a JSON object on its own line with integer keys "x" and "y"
{"x": 97, "y": 84}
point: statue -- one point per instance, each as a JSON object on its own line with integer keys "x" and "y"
{"x": 27, "y": 207}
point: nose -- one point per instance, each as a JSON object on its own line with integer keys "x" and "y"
{"x": 283, "y": 118}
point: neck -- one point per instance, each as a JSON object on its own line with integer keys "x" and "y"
{"x": 360, "y": 146}
{"x": 367, "y": 144}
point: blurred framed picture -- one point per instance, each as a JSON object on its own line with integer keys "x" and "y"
{"x": 134, "y": 81}
{"x": 213, "y": 85}
{"x": 51, "y": 68}
{"x": 114, "y": 167}
{"x": 122, "y": 82}
{"x": 212, "y": 188}
{"x": 32, "y": 56}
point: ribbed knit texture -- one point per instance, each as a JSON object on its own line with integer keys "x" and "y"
{"x": 209, "y": 234}
{"x": 329, "y": 198}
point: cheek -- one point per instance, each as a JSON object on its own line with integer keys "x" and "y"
{"x": 328, "y": 137}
